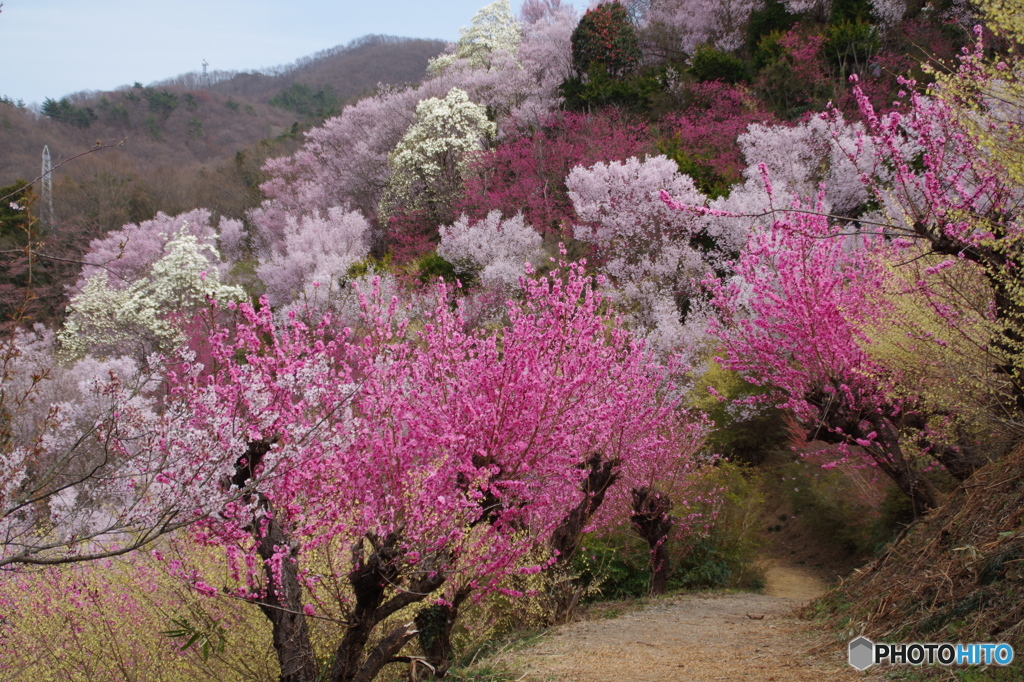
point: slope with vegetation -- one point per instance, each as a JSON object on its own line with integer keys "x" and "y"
{"x": 479, "y": 349}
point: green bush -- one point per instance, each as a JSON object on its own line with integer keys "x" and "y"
{"x": 599, "y": 89}
{"x": 772, "y": 18}
{"x": 839, "y": 508}
{"x": 849, "y": 46}
{"x": 709, "y": 64}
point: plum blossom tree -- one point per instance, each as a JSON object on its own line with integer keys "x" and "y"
{"x": 422, "y": 468}
{"x": 527, "y": 171}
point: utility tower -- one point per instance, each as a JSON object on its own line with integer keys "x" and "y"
{"x": 206, "y": 80}
{"x": 46, "y": 211}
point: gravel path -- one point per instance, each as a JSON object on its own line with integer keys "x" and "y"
{"x": 740, "y": 636}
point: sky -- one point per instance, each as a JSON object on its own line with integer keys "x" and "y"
{"x": 52, "y": 48}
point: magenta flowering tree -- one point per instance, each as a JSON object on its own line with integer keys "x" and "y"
{"x": 397, "y": 469}
{"x": 527, "y": 172}
{"x": 794, "y": 318}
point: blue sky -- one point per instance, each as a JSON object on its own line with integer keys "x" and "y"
{"x": 51, "y": 48}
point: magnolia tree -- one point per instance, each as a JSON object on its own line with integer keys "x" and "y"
{"x": 414, "y": 471}
{"x": 494, "y": 29}
{"x": 146, "y": 317}
{"x": 428, "y": 162}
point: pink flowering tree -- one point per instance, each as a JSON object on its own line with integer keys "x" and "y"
{"x": 314, "y": 256}
{"x": 794, "y": 319}
{"x": 398, "y": 469}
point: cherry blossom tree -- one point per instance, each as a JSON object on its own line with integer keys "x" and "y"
{"x": 314, "y": 257}
{"x": 703, "y": 22}
{"x": 93, "y": 462}
{"x": 493, "y": 250}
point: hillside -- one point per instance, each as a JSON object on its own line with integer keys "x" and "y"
{"x": 176, "y": 130}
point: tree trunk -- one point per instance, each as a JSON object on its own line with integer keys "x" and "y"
{"x": 569, "y": 533}
{"x": 435, "y": 624}
{"x": 651, "y": 520}
{"x": 282, "y": 606}
{"x": 370, "y": 580}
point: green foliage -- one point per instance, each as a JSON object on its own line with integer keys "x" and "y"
{"x": 844, "y": 507}
{"x": 849, "y": 46}
{"x": 598, "y": 89}
{"x": 191, "y": 103}
{"x": 709, "y": 64}
{"x": 727, "y": 555}
{"x": 19, "y": 104}
{"x": 195, "y": 129}
{"x": 15, "y": 219}
{"x": 64, "y": 111}
{"x": 619, "y": 565}
{"x": 208, "y": 635}
{"x": 369, "y": 266}
{"x": 768, "y": 50}
{"x": 431, "y": 266}
{"x": 161, "y": 102}
{"x": 850, "y": 11}
{"x": 709, "y": 181}
{"x": 773, "y": 17}
{"x": 152, "y": 127}
{"x": 740, "y": 436}
{"x": 605, "y": 37}
{"x": 301, "y": 99}
{"x": 232, "y": 104}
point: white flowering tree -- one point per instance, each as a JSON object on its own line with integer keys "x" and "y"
{"x": 142, "y": 318}
{"x": 428, "y": 164}
{"x": 652, "y": 253}
{"x": 317, "y": 251}
{"x": 494, "y": 250}
{"x": 494, "y": 29}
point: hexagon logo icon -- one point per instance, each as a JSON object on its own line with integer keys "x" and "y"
{"x": 862, "y": 653}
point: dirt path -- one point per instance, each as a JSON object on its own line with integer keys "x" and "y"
{"x": 740, "y": 636}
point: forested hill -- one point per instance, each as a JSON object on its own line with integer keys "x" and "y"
{"x": 178, "y": 131}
